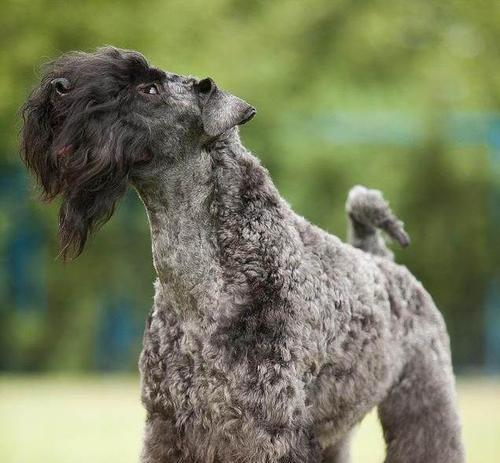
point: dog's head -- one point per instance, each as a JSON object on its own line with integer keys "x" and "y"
{"x": 99, "y": 119}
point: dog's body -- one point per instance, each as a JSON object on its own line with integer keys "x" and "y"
{"x": 269, "y": 338}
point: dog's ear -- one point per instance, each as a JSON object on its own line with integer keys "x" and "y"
{"x": 61, "y": 85}
{"x": 37, "y": 136}
{"x": 220, "y": 110}
{"x": 96, "y": 169}
{"x": 80, "y": 151}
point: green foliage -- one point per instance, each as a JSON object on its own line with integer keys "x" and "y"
{"x": 292, "y": 60}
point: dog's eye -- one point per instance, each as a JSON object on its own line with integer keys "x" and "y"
{"x": 151, "y": 89}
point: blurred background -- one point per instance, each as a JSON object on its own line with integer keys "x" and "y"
{"x": 402, "y": 96}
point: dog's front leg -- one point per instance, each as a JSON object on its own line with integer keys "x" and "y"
{"x": 338, "y": 452}
{"x": 161, "y": 443}
{"x": 303, "y": 449}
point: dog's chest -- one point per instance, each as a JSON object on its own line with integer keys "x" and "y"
{"x": 185, "y": 377}
{"x": 322, "y": 371}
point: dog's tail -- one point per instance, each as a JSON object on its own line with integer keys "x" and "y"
{"x": 369, "y": 213}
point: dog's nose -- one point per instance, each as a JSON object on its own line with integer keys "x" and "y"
{"x": 249, "y": 114}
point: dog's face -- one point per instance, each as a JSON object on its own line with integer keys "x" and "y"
{"x": 100, "y": 119}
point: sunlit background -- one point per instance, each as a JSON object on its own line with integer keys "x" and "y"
{"x": 403, "y": 96}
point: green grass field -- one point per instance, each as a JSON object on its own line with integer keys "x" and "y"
{"x": 83, "y": 420}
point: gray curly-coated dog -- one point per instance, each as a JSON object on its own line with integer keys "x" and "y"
{"x": 269, "y": 339}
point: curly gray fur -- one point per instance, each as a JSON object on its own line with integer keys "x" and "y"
{"x": 368, "y": 214}
{"x": 269, "y": 339}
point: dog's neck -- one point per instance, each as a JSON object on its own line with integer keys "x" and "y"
{"x": 195, "y": 214}
{"x": 182, "y": 232}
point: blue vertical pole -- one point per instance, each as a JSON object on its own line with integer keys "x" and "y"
{"x": 492, "y": 312}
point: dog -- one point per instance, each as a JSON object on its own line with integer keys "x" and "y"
{"x": 269, "y": 339}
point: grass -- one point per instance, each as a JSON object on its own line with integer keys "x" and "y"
{"x": 91, "y": 419}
